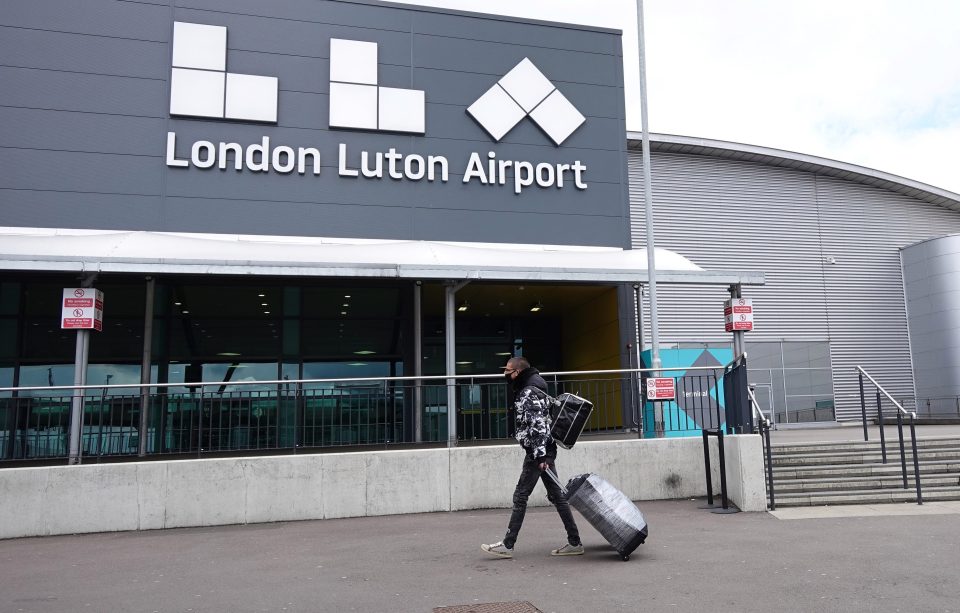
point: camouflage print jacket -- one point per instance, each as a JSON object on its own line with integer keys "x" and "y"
{"x": 533, "y": 420}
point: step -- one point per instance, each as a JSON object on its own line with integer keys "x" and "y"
{"x": 892, "y": 446}
{"x": 855, "y": 445}
{"x": 866, "y": 497}
{"x": 860, "y": 483}
{"x": 836, "y": 460}
{"x": 892, "y": 467}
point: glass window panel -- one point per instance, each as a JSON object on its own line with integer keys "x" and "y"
{"x": 814, "y": 354}
{"x": 44, "y": 340}
{"x": 763, "y": 355}
{"x": 347, "y": 337}
{"x": 43, "y": 375}
{"x": 239, "y": 371}
{"x": 9, "y": 298}
{"x": 8, "y": 337}
{"x": 291, "y": 337}
{"x": 344, "y": 370}
{"x": 327, "y": 302}
{"x": 201, "y": 337}
{"x": 6, "y": 379}
{"x": 114, "y": 374}
{"x": 291, "y": 301}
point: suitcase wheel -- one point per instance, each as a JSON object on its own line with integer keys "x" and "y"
{"x": 625, "y": 558}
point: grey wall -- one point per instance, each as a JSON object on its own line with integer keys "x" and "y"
{"x": 742, "y": 215}
{"x": 84, "y": 118}
{"x": 931, "y": 278}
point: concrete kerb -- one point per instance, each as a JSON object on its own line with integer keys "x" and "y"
{"x": 38, "y": 501}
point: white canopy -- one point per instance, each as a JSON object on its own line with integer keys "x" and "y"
{"x": 176, "y": 252}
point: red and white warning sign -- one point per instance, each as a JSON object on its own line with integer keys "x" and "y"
{"x": 738, "y": 314}
{"x": 660, "y": 388}
{"x": 82, "y": 309}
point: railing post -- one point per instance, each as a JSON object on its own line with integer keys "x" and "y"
{"x": 706, "y": 465}
{"x": 916, "y": 461}
{"x": 903, "y": 453}
{"x": 723, "y": 471}
{"x": 883, "y": 441}
{"x": 766, "y": 432}
{"x": 863, "y": 408}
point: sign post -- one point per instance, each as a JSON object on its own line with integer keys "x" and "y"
{"x": 81, "y": 310}
{"x": 737, "y": 318}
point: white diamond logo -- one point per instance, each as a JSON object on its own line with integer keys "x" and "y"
{"x": 522, "y": 92}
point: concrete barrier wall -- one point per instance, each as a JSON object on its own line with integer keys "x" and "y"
{"x": 151, "y": 495}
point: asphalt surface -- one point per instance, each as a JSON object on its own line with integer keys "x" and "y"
{"x": 694, "y": 560}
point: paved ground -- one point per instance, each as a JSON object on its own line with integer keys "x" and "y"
{"x": 896, "y": 558}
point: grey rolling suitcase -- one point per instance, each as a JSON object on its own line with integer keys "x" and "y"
{"x": 608, "y": 510}
{"x": 571, "y": 417}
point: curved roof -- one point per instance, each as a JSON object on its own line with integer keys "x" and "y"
{"x": 788, "y": 159}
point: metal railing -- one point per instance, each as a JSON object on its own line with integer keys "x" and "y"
{"x": 763, "y": 427}
{"x": 294, "y": 416}
{"x": 901, "y": 413}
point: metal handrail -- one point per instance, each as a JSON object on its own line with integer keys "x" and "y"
{"x": 764, "y": 425}
{"x": 880, "y": 389}
{"x": 901, "y": 413}
{"x": 349, "y": 380}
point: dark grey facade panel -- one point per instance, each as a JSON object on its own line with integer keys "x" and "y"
{"x": 30, "y": 208}
{"x": 62, "y": 171}
{"x": 829, "y": 248}
{"x": 372, "y": 16}
{"x": 70, "y": 91}
{"x": 71, "y": 131}
{"x": 73, "y": 52}
{"x": 94, "y": 17}
{"x": 510, "y": 32}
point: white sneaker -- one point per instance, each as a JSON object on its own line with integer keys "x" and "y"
{"x": 568, "y": 550}
{"x": 498, "y": 549}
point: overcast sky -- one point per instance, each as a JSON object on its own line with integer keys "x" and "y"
{"x": 868, "y": 82}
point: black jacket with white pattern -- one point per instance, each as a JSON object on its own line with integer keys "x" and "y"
{"x": 533, "y": 421}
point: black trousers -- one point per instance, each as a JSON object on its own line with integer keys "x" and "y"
{"x": 528, "y": 480}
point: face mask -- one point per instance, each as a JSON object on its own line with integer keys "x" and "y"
{"x": 506, "y": 376}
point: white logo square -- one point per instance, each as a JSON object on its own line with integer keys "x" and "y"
{"x": 496, "y": 112}
{"x": 353, "y": 106}
{"x": 557, "y": 117}
{"x": 197, "y": 93}
{"x": 402, "y": 110}
{"x": 251, "y": 97}
{"x": 526, "y": 84}
{"x": 353, "y": 61}
{"x": 199, "y": 46}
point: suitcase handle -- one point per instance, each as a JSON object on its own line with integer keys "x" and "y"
{"x": 556, "y": 479}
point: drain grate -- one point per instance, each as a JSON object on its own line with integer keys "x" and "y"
{"x": 490, "y": 607}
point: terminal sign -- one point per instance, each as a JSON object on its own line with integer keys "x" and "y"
{"x": 660, "y": 388}
{"x": 738, "y": 314}
{"x": 82, "y": 309}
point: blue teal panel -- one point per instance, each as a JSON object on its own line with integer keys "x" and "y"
{"x": 681, "y": 415}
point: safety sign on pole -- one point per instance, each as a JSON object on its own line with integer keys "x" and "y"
{"x": 82, "y": 309}
{"x": 660, "y": 388}
{"x": 738, "y": 315}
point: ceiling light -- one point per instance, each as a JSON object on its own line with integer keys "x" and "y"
{"x": 463, "y": 307}
{"x": 264, "y": 304}
{"x": 346, "y": 304}
{"x": 261, "y": 295}
{"x": 503, "y": 353}
{"x": 357, "y": 364}
{"x": 185, "y": 312}
{"x": 463, "y": 363}
{"x": 178, "y": 303}
{"x": 266, "y": 312}
{"x": 534, "y": 308}
{"x": 364, "y": 352}
{"x": 228, "y": 353}
{"x": 343, "y": 312}
{"x": 346, "y": 296}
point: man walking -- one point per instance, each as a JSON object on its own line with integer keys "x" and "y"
{"x": 532, "y": 406}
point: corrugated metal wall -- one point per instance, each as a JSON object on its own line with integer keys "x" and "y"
{"x": 790, "y": 224}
